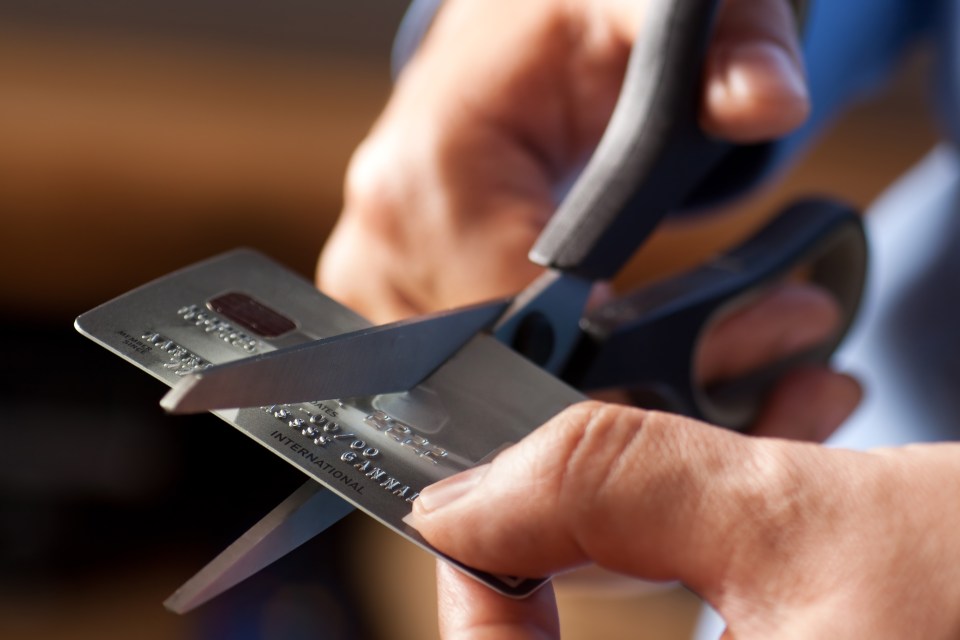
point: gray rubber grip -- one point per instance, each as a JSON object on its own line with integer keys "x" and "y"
{"x": 653, "y": 154}
{"x": 647, "y": 341}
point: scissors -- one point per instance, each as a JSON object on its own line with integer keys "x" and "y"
{"x": 652, "y": 160}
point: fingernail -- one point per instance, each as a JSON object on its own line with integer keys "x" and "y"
{"x": 449, "y": 490}
{"x": 765, "y": 67}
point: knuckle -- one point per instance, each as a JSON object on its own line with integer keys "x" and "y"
{"x": 596, "y": 442}
{"x": 370, "y": 193}
{"x": 769, "y": 497}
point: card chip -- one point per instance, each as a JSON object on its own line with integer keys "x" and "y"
{"x": 251, "y": 314}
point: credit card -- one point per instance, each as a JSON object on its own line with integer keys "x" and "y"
{"x": 378, "y": 452}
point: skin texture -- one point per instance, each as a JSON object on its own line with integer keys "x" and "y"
{"x": 502, "y": 103}
{"x": 785, "y": 539}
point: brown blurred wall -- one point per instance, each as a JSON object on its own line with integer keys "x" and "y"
{"x": 138, "y": 137}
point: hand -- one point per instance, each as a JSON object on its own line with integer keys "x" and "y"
{"x": 784, "y": 539}
{"x": 501, "y": 104}
{"x": 659, "y": 496}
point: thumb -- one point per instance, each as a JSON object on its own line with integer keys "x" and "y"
{"x": 650, "y": 494}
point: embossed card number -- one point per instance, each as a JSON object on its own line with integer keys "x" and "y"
{"x": 377, "y": 453}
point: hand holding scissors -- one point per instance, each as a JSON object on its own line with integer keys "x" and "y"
{"x": 654, "y": 159}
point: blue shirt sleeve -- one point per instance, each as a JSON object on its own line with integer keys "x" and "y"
{"x": 850, "y": 47}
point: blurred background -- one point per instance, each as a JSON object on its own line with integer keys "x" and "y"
{"x": 137, "y": 137}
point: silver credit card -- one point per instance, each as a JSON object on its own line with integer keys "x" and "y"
{"x": 375, "y": 452}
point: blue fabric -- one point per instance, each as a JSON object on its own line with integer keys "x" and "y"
{"x": 412, "y": 29}
{"x": 849, "y": 47}
{"x": 946, "y": 21}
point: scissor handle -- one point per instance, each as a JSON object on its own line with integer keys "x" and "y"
{"x": 647, "y": 341}
{"x": 652, "y": 157}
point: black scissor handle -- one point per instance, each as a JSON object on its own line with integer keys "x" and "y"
{"x": 653, "y": 156}
{"x": 647, "y": 341}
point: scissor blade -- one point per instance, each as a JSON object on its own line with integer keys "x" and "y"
{"x": 386, "y": 359}
{"x": 307, "y": 512}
